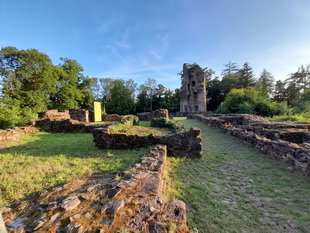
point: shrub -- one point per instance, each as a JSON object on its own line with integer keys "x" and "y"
{"x": 165, "y": 123}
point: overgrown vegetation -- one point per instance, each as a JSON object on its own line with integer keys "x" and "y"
{"x": 176, "y": 126}
{"x": 239, "y": 91}
{"x": 234, "y": 188}
{"x": 44, "y": 160}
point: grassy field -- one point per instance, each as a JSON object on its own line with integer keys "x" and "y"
{"x": 41, "y": 161}
{"x": 234, "y": 188}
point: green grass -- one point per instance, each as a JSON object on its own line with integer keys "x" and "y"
{"x": 42, "y": 160}
{"x": 104, "y": 122}
{"x": 234, "y": 188}
{"x": 143, "y": 129}
{"x": 292, "y": 118}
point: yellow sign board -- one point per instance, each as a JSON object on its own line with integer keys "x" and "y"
{"x": 97, "y": 111}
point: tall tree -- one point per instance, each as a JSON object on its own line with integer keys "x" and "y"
{"x": 301, "y": 77}
{"x": 247, "y": 77}
{"x": 121, "y": 101}
{"x": 280, "y": 91}
{"x": 28, "y": 77}
{"x": 231, "y": 68}
{"x": 266, "y": 83}
{"x": 73, "y": 88}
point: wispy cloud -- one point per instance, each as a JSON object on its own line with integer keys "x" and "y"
{"x": 283, "y": 59}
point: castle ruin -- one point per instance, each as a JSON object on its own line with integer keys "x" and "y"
{"x": 193, "y": 89}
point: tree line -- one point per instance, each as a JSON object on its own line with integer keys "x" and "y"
{"x": 30, "y": 83}
{"x": 240, "y": 91}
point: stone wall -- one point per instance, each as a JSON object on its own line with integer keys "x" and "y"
{"x": 98, "y": 204}
{"x": 148, "y": 116}
{"x": 297, "y": 155}
{"x": 64, "y": 126}
{"x": 81, "y": 115}
{"x": 15, "y": 133}
{"x": 111, "y": 117}
{"x": 186, "y": 144}
{"x": 193, "y": 89}
{"x": 55, "y": 114}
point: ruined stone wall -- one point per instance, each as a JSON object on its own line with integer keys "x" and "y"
{"x": 15, "y": 133}
{"x": 291, "y": 153}
{"x": 111, "y": 117}
{"x": 81, "y": 115}
{"x": 55, "y": 114}
{"x": 193, "y": 89}
{"x": 186, "y": 144}
{"x": 98, "y": 204}
{"x": 64, "y": 126}
{"x": 148, "y": 116}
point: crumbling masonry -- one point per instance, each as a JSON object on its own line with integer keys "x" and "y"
{"x": 193, "y": 89}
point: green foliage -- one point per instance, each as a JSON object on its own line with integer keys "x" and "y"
{"x": 251, "y": 101}
{"x": 121, "y": 101}
{"x": 165, "y": 123}
{"x": 31, "y": 84}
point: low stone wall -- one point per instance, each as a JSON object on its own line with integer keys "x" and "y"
{"x": 81, "y": 115}
{"x": 148, "y": 116}
{"x": 15, "y": 133}
{"x": 293, "y": 154}
{"x": 111, "y": 117}
{"x": 55, "y": 114}
{"x": 64, "y": 126}
{"x": 186, "y": 144}
{"x": 132, "y": 204}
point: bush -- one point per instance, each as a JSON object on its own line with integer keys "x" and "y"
{"x": 165, "y": 123}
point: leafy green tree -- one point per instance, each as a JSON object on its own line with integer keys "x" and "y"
{"x": 121, "y": 101}
{"x": 250, "y": 101}
{"x": 143, "y": 102}
{"x": 215, "y": 94}
{"x": 73, "y": 88}
{"x": 28, "y": 77}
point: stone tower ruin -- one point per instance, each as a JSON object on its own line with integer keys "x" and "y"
{"x": 193, "y": 89}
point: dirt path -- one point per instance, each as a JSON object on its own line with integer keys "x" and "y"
{"x": 235, "y": 188}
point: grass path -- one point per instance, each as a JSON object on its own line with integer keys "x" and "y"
{"x": 234, "y": 188}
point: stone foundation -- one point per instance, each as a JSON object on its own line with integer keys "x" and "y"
{"x": 99, "y": 204}
{"x": 15, "y": 133}
{"x": 148, "y": 116}
{"x": 111, "y": 117}
{"x": 81, "y": 115}
{"x": 187, "y": 144}
{"x": 254, "y": 132}
{"x": 55, "y": 114}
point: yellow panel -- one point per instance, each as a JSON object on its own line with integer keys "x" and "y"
{"x": 97, "y": 111}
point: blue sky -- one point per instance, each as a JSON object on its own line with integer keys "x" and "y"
{"x": 142, "y": 39}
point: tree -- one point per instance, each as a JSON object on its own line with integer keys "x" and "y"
{"x": 266, "y": 83}
{"x": 301, "y": 78}
{"x": 247, "y": 77}
{"x": 280, "y": 91}
{"x": 215, "y": 94}
{"x": 73, "y": 88}
{"x": 231, "y": 68}
{"x": 27, "y": 76}
{"x": 121, "y": 101}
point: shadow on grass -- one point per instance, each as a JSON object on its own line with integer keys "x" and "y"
{"x": 77, "y": 145}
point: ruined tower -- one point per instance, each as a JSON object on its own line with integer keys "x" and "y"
{"x": 193, "y": 89}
